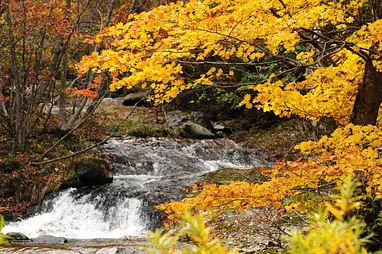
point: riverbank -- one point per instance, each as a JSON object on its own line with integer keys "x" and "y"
{"x": 250, "y": 232}
{"x": 95, "y": 246}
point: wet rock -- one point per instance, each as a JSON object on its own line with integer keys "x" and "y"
{"x": 93, "y": 171}
{"x": 18, "y": 236}
{"x": 120, "y": 251}
{"x": 195, "y": 131}
{"x": 108, "y": 246}
{"x": 222, "y": 130}
{"x": 138, "y": 97}
{"x": 202, "y": 118}
{"x": 195, "y": 125}
{"x": 175, "y": 119}
{"x": 147, "y": 172}
{"x": 50, "y": 239}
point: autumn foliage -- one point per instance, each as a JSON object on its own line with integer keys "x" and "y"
{"x": 311, "y": 58}
{"x": 352, "y": 150}
{"x": 315, "y": 52}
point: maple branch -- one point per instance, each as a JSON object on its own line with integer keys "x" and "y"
{"x": 235, "y": 85}
{"x": 315, "y": 44}
{"x": 347, "y": 45}
{"x": 285, "y": 59}
{"x": 225, "y": 35}
{"x": 359, "y": 53}
{"x": 319, "y": 187}
{"x": 285, "y": 7}
{"x": 233, "y": 28}
{"x": 227, "y": 63}
{"x": 317, "y": 34}
{"x": 334, "y": 51}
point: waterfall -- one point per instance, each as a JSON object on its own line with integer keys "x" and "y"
{"x": 80, "y": 218}
{"x": 147, "y": 172}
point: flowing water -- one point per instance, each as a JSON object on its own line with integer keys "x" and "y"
{"x": 146, "y": 172}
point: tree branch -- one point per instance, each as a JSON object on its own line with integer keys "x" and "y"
{"x": 69, "y": 132}
{"x": 90, "y": 147}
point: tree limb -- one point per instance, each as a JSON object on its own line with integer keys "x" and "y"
{"x": 90, "y": 147}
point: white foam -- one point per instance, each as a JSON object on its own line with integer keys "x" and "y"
{"x": 73, "y": 218}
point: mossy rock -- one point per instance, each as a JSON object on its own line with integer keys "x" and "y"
{"x": 195, "y": 131}
{"x": 89, "y": 171}
{"x": 149, "y": 130}
{"x": 93, "y": 171}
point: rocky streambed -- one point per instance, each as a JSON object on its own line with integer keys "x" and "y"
{"x": 99, "y": 246}
{"x": 114, "y": 217}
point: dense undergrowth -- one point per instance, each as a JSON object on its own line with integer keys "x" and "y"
{"x": 343, "y": 233}
{"x": 278, "y": 141}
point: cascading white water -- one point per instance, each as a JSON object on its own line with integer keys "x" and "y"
{"x": 78, "y": 218}
{"x": 147, "y": 172}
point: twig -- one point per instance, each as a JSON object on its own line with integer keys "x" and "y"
{"x": 226, "y": 63}
{"x": 301, "y": 218}
{"x": 91, "y": 147}
{"x": 322, "y": 186}
{"x": 71, "y": 131}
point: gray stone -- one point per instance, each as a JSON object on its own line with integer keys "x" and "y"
{"x": 222, "y": 130}
{"x": 195, "y": 131}
{"x": 50, "y": 239}
{"x": 93, "y": 171}
{"x": 219, "y": 127}
{"x": 18, "y": 236}
{"x": 175, "y": 119}
{"x": 139, "y": 98}
{"x": 198, "y": 116}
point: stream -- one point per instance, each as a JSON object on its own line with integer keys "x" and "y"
{"x": 113, "y": 218}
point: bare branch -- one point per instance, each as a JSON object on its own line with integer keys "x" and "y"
{"x": 90, "y": 147}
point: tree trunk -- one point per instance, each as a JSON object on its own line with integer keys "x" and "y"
{"x": 64, "y": 73}
{"x": 17, "y": 115}
{"x": 369, "y": 97}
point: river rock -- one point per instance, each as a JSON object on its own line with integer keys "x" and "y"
{"x": 195, "y": 131}
{"x": 18, "y": 236}
{"x": 93, "y": 171}
{"x": 50, "y": 239}
{"x": 195, "y": 125}
{"x": 138, "y": 97}
{"x": 175, "y": 119}
{"x": 202, "y": 118}
{"x": 222, "y": 130}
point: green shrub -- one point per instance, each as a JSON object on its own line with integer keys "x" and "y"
{"x": 342, "y": 234}
{"x": 201, "y": 239}
{"x": 3, "y": 237}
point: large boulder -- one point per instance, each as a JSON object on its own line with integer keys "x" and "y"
{"x": 195, "y": 131}
{"x": 139, "y": 98}
{"x": 93, "y": 171}
{"x": 194, "y": 125}
{"x": 50, "y": 239}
